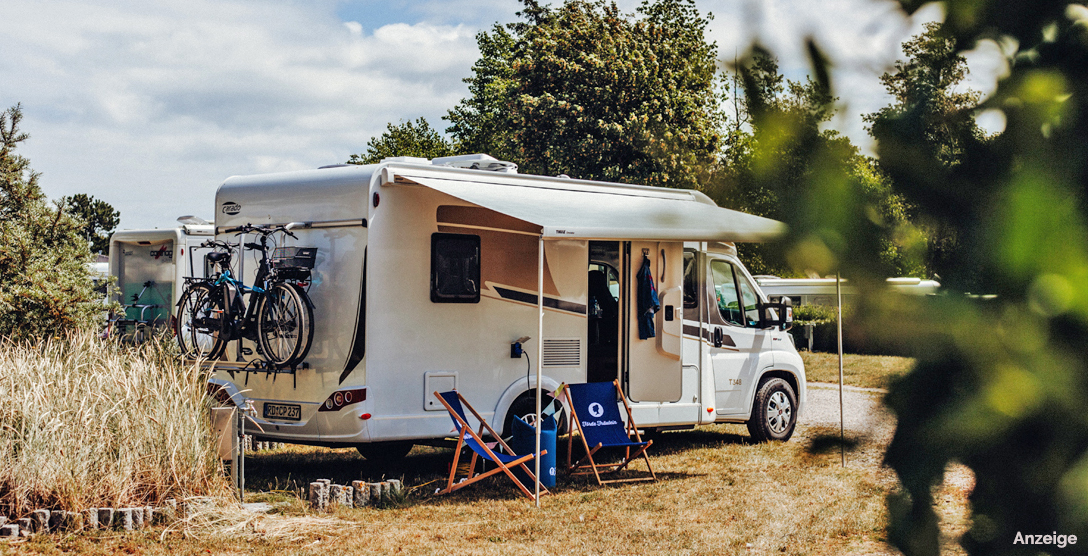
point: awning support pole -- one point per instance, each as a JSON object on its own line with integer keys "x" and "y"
{"x": 838, "y": 321}
{"x": 539, "y": 352}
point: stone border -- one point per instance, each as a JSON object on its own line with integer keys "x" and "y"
{"x": 324, "y": 494}
{"x": 121, "y": 519}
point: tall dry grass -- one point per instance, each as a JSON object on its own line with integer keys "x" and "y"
{"x": 86, "y": 423}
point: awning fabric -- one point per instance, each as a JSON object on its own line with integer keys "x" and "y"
{"x": 587, "y": 210}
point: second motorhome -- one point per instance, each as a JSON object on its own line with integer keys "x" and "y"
{"x": 149, "y": 267}
{"x": 427, "y": 273}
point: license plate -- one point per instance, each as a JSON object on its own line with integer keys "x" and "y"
{"x": 283, "y": 411}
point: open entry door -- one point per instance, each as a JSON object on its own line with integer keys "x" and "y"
{"x": 652, "y": 365}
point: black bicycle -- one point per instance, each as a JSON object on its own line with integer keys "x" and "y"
{"x": 279, "y": 314}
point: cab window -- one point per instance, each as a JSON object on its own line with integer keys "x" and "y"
{"x": 749, "y": 298}
{"x": 725, "y": 293}
{"x": 738, "y": 303}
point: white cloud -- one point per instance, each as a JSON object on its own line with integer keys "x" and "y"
{"x": 150, "y": 105}
{"x": 355, "y": 27}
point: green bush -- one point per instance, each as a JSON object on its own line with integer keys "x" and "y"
{"x": 45, "y": 283}
{"x": 813, "y": 314}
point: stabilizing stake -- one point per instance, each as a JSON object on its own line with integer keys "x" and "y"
{"x": 238, "y": 466}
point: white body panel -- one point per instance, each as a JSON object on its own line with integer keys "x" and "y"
{"x": 377, "y": 327}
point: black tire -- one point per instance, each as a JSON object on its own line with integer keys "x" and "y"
{"x": 525, "y": 407}
{"x": 201, "y": 325}
{"x": 774, "y": 411}
{"x": 385, "y": 453}
{"x": 284, "y": 325}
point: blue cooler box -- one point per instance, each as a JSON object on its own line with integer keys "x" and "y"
{"x": 524, "y": 442}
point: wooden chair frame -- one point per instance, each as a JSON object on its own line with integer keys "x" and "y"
{"x": 490, "y": 455}
{"x": 584, "y": 467}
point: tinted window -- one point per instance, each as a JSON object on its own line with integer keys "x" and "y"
{"x": 455, "y": 268}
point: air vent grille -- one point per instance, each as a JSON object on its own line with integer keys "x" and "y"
{"x": 565, "y": 352}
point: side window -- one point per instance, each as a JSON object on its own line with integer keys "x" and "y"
{"x": 691, "y": 281}
{"x": 750, "y": 299}
{"x": 455, "y": 268}
{"x": 725, "y": 292}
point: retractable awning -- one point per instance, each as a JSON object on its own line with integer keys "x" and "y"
{"x": 591, "y": 210}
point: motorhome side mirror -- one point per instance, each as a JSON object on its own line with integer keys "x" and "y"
{"x": 778, "y": 314}
{"x": 786, "y": 310}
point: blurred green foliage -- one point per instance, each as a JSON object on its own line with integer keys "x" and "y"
{"x": 774, "y": 165}
{"x": 1000, "y": 383}
{"x": 45, "y": 284}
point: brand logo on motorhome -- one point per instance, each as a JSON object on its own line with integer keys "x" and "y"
{"x": 231, "y": 208}
{"x": 162, "y": 252}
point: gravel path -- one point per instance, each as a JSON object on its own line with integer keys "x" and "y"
{"x": 864, "y": 414}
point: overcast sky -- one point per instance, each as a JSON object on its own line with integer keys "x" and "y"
{"x": 150, "y": 105}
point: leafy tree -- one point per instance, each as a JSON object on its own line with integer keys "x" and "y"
{"x": 481, "y": 122}
{"x": 925, "y": 87}
{"x": 99, "y": 218}
{"x": 587, "y": 91}
{"x": 408, "y": 139}
{"x": 926, "y": 91}
{"x": 45, "y": 286}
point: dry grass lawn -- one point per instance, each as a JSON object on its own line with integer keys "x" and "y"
{"x": 868, "y": 371}
{"x": 716, "y": 494}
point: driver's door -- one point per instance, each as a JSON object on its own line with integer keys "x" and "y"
{"x": 736, "y": 339}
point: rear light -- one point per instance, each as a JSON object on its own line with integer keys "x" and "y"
{"x": 365, "y": 416}
{"x": 343, "y": 398}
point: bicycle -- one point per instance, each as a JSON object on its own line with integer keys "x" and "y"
{"x": 142, "y": 326}
{"x": 278, "y": 315}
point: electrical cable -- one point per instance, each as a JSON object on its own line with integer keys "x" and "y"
{"x": 528, "y": 367}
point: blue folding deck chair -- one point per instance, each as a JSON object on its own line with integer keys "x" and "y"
{"x": 594, "y": 410}
{"x": 455, "y": 404}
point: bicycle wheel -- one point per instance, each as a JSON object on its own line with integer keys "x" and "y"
{"x": 201, "y": 326}
{"x": 285, "y": 324}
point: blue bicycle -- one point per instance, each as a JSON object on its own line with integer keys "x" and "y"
{"x": 278, "y": 316}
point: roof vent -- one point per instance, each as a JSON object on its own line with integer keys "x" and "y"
{"x": 477, "y": 162}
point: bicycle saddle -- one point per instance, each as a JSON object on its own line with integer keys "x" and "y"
{"x": 218, "y": 256}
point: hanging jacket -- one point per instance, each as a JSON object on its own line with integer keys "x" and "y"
{"x": 648, "y": 303}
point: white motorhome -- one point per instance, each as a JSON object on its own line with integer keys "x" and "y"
{"x": 427, "y": 274}
{"x": 821, "y": 291}
{"x": 150, "y": 266}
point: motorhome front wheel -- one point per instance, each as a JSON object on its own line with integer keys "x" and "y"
{"x": 774, "y": 411}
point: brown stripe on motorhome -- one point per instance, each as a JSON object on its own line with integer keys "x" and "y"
{"x": 479, "y": 217}
{"x": 507, "y": 257}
